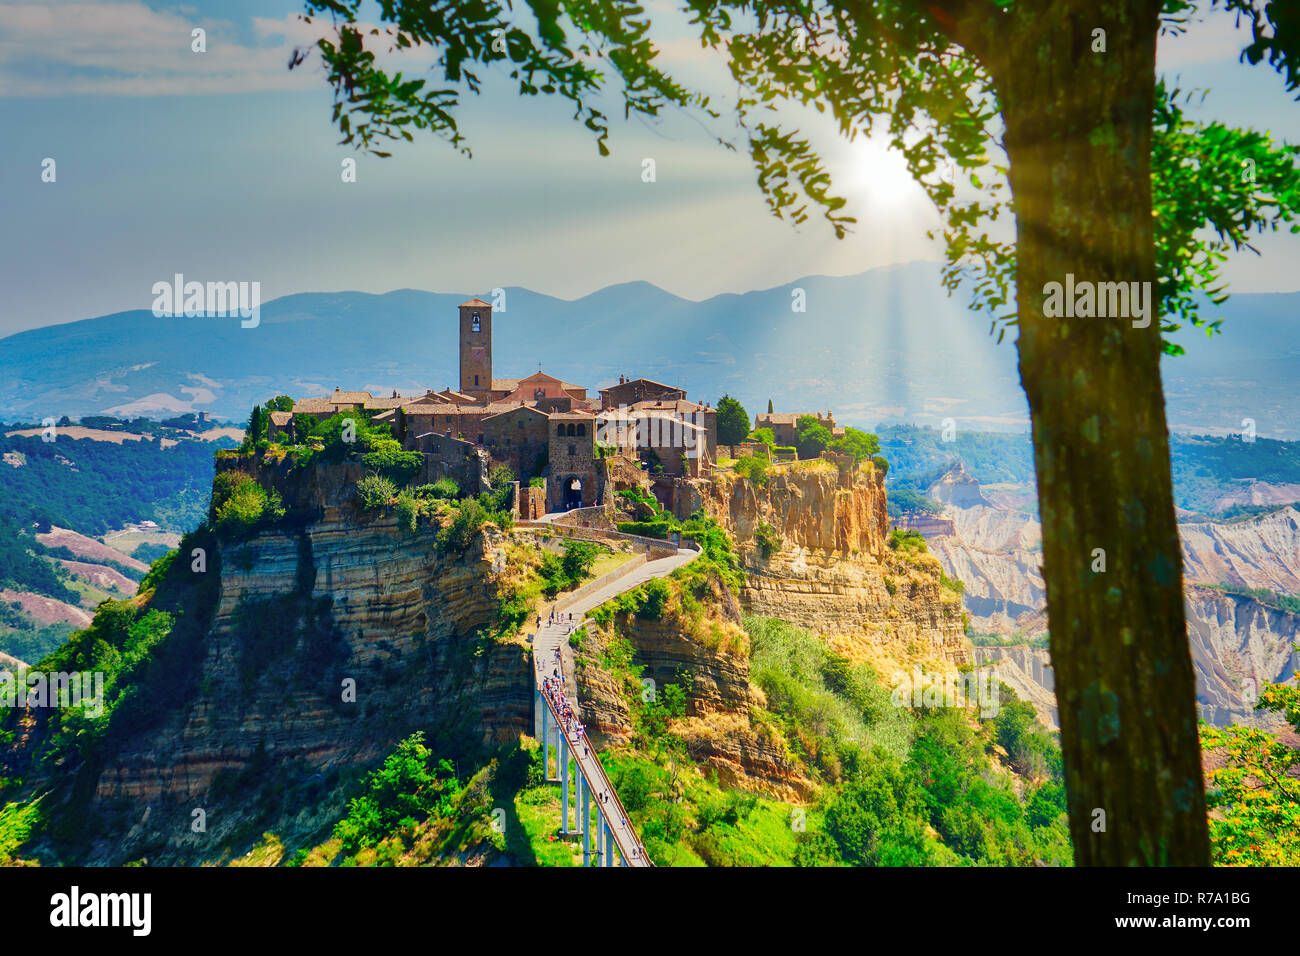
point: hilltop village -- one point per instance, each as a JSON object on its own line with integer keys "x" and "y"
{"x": 553, "y": 435}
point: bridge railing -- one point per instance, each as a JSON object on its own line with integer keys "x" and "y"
{"x": 601, "y": 809}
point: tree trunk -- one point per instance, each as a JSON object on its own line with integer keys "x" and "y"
{"x": 1078, "y": 134}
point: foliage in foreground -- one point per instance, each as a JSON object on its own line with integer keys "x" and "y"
{"x": 1254, "y": 797}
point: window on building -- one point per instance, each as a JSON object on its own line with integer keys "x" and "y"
{"x": 477, "y": 325}
{"x": 559, "y": 430}
{"x": 476, "y": 380}
{"x": 572, "y": 451}
{"x": 582, "y": 430}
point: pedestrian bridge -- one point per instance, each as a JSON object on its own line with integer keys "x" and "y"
{"x": 579, "y": 773}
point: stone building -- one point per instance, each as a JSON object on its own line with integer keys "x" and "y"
{"x": 785, "y": 425}
{"x": 538, "y": 425}
{"x": 630, "y": 391}
{"x": 572, "y": 458}
{"x": 476, "y": 349}
{"x": 520, "y": 438}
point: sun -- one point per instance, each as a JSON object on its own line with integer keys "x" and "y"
{"x": 875, "y": 181}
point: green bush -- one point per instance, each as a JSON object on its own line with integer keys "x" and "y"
{"x": 375, "y": 491}
{"x": 769, "y": 542}
{"x": 388, "y": 459}
{"x": 657, "y": 593}
{"x": 562, "y": 573}
{"x": 240, "y": 504}
{"x": 753, "y": 468}
{"x": 906, "y": 540}
{"x": 403, "y": 792}
{"x": 464, "y": 528}
{"x": 658, "y": 528}
{"x": 443, "y": 488}
{"x": 408, "y": 511}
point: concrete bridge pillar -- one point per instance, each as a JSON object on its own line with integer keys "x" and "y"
{"x": 546, "y": 737}
{"x": 586, "y": 823}
{"x": 564, "y": 783}
{"x": 609, "y": 844}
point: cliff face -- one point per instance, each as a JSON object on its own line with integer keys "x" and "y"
{"x": 814, "y": 544}
{"x": 709, "y": 650}
{"x": 346, "y": 597}
{"x": 1260, "y": 552}
{"x": 1238, "y": 646}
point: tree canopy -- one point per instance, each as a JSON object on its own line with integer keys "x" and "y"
{"x": 733, "y": 421}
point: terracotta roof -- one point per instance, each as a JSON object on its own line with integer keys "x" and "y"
{"x": 387, "y": 402}
{"x": 785, "y": 418}
{"x": 313, "y": 405}
{"x": 341, "y": 397}
{"x": 576, "y": 416}
{"x": 504, "y": 384}
{"x": 539, "y": 376}
{"x": 669, "y": 405}
{"x": 478, "y": 302}
{"x": 281, "y": 418}
{"x": 445, "y": 408}
{"x": 647, "y": 381}
{"x": 516, "y": 408}
{"x": 641, "y": 416}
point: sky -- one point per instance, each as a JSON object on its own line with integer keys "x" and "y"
{"x": 224, "y": 165}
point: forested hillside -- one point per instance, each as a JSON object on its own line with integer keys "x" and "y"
{"x": 1209, "y": 471}
{"x": 95, "y": 486}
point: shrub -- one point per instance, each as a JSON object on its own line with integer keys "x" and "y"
{"x": 769, "y": 542}
{"x": 813, "y": 436}
{"x": 387, "y": 458}
{"x": 906, "y": 540}
{"x": 562, "y": 573}
{"x": 245, "y": 506}
{"x": 443, "y": 488}
{"x": 408, "y": 511}
{"x": 403, "y": 792}
{"x": 857, "y": 443}
{"x": 753, "y": 468}
{"x": 464, "y": 528}
{"x": 375, "y": 491}
{"x": 658, "y": 528}
{"x": 657, "y": 593}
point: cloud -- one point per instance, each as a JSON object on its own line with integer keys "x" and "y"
{"x": 124, "y": 48}
{"x": 1214, "y": 39}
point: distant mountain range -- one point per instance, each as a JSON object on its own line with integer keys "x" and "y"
{"x": 884, "y": 346}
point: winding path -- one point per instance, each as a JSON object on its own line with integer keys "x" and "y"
{"x": 552, "y": 654}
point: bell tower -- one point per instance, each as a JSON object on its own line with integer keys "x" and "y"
{"x": 476, "y": 349}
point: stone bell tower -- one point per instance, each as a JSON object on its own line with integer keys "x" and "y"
{"x": 476, "y": 349}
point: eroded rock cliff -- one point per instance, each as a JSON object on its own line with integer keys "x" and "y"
{"x": 306, "y": 614}
{"x": 705, "y": 650}
{"x": 814, "y": 543}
